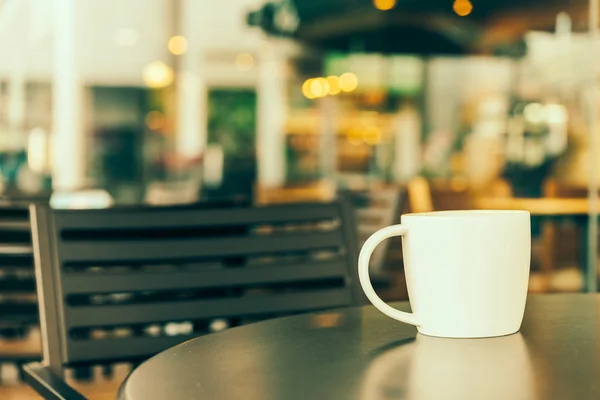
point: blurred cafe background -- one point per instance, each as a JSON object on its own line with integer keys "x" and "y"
{"x": 395, "y": 106}
{"x": 398, "y": 105}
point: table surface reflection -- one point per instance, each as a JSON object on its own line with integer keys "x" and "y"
{"x": 358, "y": 353}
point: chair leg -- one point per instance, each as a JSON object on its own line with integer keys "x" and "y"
{"x": 21, "y": 372}
{"x": 549, "y": 241}
{"x": 108, "y": 371}
{"x": 83, "y": 373}
{"x": 48, "y": 385}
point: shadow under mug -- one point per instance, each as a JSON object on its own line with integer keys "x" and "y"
{"x": 467, "y": 272}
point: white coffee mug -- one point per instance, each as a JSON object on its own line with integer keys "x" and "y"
{"x": 467, "y": 272}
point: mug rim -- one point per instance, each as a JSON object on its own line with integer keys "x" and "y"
{"x": 467, "y": 213}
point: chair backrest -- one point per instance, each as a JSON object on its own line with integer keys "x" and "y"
{"x": 18, "y": 307}
{"x": 125, "y": 283}
{"x": 374, "y": 210}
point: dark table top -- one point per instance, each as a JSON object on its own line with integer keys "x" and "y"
{"x": 358, "y": 353}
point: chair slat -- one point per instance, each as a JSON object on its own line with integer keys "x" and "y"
{"x": 175, "y": 278}
{"x": 15, "y": 249}
{"x": 182, "y": 217}
{"x": 121, "y": 349}
{"x": 133, "y": 251}
{"x": 89, "y": 316}
{"x": 16, "y": 225}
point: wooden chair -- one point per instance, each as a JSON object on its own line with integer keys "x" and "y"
{"x": 124, "y": 284}
{"x": 320, "y": 191}
{"x": 553, "y": 248}
{"x": 18, "y": 306}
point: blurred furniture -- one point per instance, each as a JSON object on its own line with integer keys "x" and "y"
{"x": 320, "y": 191}
{"x": 536, "y": 206}
{"x": 9, "y": 197}
{"x": 360, "y": 353}
{"x": 419, "y": 195}
{"x": 81, "y": 199}
{"x": 551, "y": 229}
{"x": 18, "y": 306}
{"x": 123, "y": 284}
{"x": 551, "y": 209}
{"x": 375, "y": 209}
{"x": 426, "y": 196}
{"x": 171, "y": 193}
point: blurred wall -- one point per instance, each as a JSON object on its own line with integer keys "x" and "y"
{"x": 116, "y": 39}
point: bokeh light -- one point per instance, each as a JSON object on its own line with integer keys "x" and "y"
{"x": 178, "y": 45}
{"x": 534, "y": 113}
{"x": 556, "y": 114}
{"x": 462, "y": 7}
{"x": 348, "y": 82}
{"x": 372, "y": 135}
{"x": 155, "y": 120}
{"x": 319, "y": 87}
{"x": 306, "y": 89}
{"x": 384, "y": 5}
{"x": 355, "y": 137}
{"x": 244, "y": 62}
{"x": 334, "y": 85}
{"x": 157, "y": 74}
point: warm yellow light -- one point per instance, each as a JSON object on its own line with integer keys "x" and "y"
{"x": 178, "y": 45}
{"x": 354, "y": 136}
{"x": 334, "y": 85}
{"x": 348, "y": 82}
{"x": 459, "y": 184}
{"x": 319, "y": 87}
{"x": 462, "y": 7}
{"x": 324, "y": 85}
{"x": 384, "y": 4}
{"x": 155, "y": 120}
{"x": 157, "y": 74}
{"x": 306, "y": 89}
{"x": 244, "y": 62}
{"x": 372, "y": 135}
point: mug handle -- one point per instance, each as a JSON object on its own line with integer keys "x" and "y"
{"x": 365, "y": 281}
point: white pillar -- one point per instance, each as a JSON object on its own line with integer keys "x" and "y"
{"x": 68, "y": 136}
{"x": 16, "y": 93}
{"x": 16, "y": 98}
{"x": 271, "y": 116}
{"x": 192, "y": 93}
{"x": 407, "y": 144}
{"x": 16, "y": 109}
